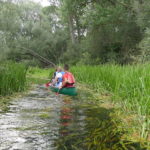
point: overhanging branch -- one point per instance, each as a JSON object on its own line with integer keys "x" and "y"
{"x": 33, "y": 53}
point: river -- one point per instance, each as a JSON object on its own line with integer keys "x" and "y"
{"x": 42, "y": 120}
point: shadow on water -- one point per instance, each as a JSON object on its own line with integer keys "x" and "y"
{"x": 87, "y": 127}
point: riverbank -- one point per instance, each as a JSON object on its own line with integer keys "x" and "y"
{"x": 129, "y": 122}
{"x": 12, "y": 82}
{"x": 128, "y": 88}
{"x": 16, "y": 81}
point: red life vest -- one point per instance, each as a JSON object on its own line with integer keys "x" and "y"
{"x": 70, "y": 79}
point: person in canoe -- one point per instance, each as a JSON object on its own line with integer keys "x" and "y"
{"x": 68, "y": 79}
{"x": 67, "y": 87}
{"x": 57, "y": 82}
{"x": 52, "y": 80}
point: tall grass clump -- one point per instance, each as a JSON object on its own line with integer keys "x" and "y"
{"x": 130, "y": 85}
{"x": 12, "y": 78}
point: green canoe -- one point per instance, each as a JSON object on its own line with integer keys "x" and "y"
{"x": 72, "y": 91}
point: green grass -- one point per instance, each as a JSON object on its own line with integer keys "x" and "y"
{"x": 131, "y": 83}
{"x": 12, "y": 78}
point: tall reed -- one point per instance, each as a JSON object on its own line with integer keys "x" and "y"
{"x": 12, "y": 78}
{"x": 129, "y": 85}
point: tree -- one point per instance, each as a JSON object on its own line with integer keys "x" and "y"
{"x": 76, "y": 31}
{"x": 34, "y": 28}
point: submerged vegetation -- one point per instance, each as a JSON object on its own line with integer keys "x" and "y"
{"x": 101, "y": 131}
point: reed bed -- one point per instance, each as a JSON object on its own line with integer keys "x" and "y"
{"x": 12, "y": 78}
{"x": 129, "y": 85}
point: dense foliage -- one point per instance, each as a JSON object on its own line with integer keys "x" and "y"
{"x": 12, "y": 78}
{"x": 76, "y": 31}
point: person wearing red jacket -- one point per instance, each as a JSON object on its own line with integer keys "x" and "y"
{"x": 68, "y": 78}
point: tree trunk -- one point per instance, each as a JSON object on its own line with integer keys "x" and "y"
{"x": 78, "y": 27}
{"x": 71, "y": 28}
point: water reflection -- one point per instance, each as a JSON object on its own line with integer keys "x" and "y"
{"x": 87, "y": 127}
{"x": 65, "y": 118}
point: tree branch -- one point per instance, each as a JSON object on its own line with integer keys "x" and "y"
{"x": 39, "y": 56}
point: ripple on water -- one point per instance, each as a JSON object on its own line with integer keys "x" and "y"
{"x": 23, "y": 128}
{"x": 43, "y": 121}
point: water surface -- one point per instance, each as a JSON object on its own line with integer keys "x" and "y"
{"x": 43, "y": 121}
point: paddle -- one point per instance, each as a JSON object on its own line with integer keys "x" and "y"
{"x": 57, "y": 93}
{"x": 48, "y": 84}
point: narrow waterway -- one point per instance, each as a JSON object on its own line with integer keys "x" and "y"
{"x": 43, "y": 121}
